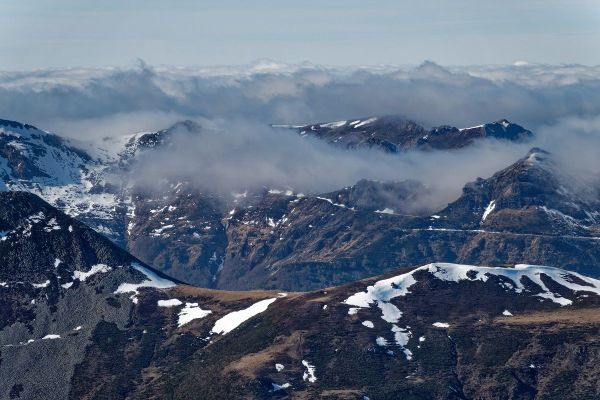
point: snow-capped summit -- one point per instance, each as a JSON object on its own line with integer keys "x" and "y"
{"x": 61, "y": 173}
{"x": 90, "y": 184}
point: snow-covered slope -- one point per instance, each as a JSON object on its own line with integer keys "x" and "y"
{"x": 522, "y": 279}
{"x": 82, "y": 180}
{"x": 55, "y": 169}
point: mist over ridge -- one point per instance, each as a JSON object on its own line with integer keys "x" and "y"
{"x": 236, "y": 150}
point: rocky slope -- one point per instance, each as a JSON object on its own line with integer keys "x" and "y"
{"x": 525, "y": 213}
{"x": 302, "y": 242}
{"x": 394, "y": 134}
{"x": 59, "y": 279}
{"x": 441, "y": 331}
{"x": 61, "y": 172}
{"x": 530, "y": 196}
{"x": 80, "y": 318}
{"x": 181, "y": 232}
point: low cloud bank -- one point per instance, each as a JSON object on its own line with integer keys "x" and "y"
{"x": 531, "y": 95}
{"x": 236, "y": 149}
{"x": 233, "y": 156}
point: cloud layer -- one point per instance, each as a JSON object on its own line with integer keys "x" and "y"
{"x": 234, "y": 156}
{"x": 237, "y": 150}
{"x": 532, "y": 95}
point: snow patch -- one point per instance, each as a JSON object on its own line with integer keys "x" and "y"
{"x": 488, "y": 210}
{"x": 333, "y": 125}
{"x": 234, "y": 319}
{"x": 365, "y": 122}
{"x": 471, "y": 127}
{"x": 41, "y": 285}
{"x": 277, "y": 387}
{"x": 368, "y": 324}
{"x": 95, "y": 269}
{"x": 190, "y": 312}
{"x": 385, "y": 211}
{"x": 153, "y": 280}
{"x": 51, "y": 336}
{"x": 309, "y": 373}
{"x": 169, "y": 303}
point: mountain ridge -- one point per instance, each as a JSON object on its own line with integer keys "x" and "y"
{"x": 119, "y": 329}
{"x": 394, "y": 134}
{"x": 277, "y": 238}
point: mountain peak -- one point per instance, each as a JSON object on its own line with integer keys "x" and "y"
{"x": 537, "y": 156}
{"x": 147, "y": 140}
{"x": 188, "y": 125}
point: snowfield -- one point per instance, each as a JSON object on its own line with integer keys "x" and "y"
{"x": 234, "y": 319}
{"x": 190, "y": 312}
{"x": 152, "y": 280}
{"x": 382, "y": 292}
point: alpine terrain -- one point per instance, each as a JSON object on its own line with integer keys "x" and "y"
{"x": 111, "y": 289}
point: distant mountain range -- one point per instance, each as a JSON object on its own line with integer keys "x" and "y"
{"x": 395, "y": 134}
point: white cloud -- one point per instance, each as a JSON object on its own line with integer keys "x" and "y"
{"x": 560, "y": 103}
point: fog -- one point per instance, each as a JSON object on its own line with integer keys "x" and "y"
{"x": 236, "y": 150}
{"x": 234, "y": 156}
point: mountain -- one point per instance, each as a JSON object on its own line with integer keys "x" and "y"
{"x": 527, "y": 212}
{"x": 441, "y": 331}
{"x": 180, "y": 231}
{"x": 82, "y": 318}
{"x": 60, "y": 172}
{"x": 531, "y": 196}
{"x": 394, "y": 134}
{"x": 87, "y": 320}
{"x": 391, "y": 197}
{"x": 59, "y": 280}
{"x": 277, "y": 239}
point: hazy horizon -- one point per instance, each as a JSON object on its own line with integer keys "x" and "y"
{"x": 67, "y": 33}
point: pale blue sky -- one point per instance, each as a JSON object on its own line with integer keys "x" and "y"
{"x": 67, "y": 33}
